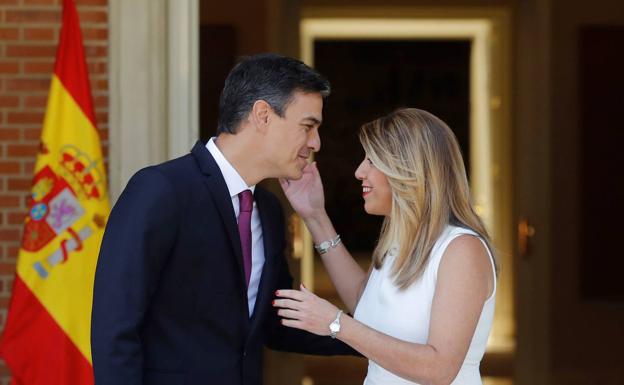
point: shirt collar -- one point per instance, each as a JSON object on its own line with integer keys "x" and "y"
{"x": 235, "y": 183}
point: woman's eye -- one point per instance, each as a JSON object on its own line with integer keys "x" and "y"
{"x": 369, "y": 161}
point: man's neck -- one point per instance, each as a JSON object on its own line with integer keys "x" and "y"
{"x": 241, "y": 151}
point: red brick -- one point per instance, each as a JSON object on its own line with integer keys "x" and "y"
{"x": 23, "y": 150}
{"x": 95, "y": 34}
{"x": 19, "y": 184}
{"x": 13, "y": 252}
{"x": 32, "y": 134}
{"x": 9, "y": 134}
{"x": 93, "y": 16}
{"x": 39, "y": 67}
{"x": 16, "y": 218}
{"x": 25, "y": 117}
{"x": 39, "y": 34}
{"x": 9, "y": 33}
{"x": 103, "y": 134}
{"x": 9, "y": 101}
{"x": 41, "y": 84}
{"x": 7, "y": 268}
{"x": 96, "y": 51}
{"x": 97, "y": 68}
{"x": 101, "y": 117}
{"x": 9, "y": 67}
{"x": 29, "y": 167}
{"x": 9, "y": 235}
{"x": 100, "y": 101}
{"x": 9, "y": 201}
{"x": 39, "y": 101}
{"x": 91, "y": 2}
{"x": 42, "y": 2}
{"x": 32, "y": 15}
{"x": 101, "y": 84}
{"x": 30, "y": 51}
{"x": 9, "y": 167}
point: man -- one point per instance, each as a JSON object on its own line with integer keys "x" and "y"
{"x": 193, "y": 250}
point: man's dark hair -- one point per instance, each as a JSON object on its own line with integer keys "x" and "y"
{"x": 269, "y": 77}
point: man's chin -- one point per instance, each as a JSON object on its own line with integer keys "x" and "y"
{"x": 296, "y": 175}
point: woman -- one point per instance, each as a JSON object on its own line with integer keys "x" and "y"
{"x": 423, "y": 312}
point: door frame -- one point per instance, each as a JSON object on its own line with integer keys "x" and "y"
{"x": 488, "y": 29}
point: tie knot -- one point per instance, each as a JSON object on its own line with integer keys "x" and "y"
{"x": 246, "y": 201}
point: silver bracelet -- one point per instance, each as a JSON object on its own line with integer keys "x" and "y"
{"x": 324, "y": 246}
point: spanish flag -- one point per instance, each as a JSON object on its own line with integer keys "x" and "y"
{"x": 47, "y": 336}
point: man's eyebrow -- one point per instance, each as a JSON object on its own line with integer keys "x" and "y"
{"x": 313, "y": 120}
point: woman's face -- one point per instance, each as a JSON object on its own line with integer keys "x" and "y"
{"x": 375, "y": 189}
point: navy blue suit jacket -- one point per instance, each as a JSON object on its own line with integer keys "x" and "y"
{"x": 170, "y": 301}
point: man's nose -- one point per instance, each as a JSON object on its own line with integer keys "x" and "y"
{"x": 314, "y": 141}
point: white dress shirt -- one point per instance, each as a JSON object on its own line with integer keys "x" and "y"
{"x": 236, "y": 185}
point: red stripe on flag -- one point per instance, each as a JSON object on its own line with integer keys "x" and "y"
{"x": 71, "y": 67}
{"x": 36, "y": 348}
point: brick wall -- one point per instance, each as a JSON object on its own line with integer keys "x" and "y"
{"x": 29, "y": 31}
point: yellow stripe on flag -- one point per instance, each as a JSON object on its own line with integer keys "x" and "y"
{"x": 71, "y": 150}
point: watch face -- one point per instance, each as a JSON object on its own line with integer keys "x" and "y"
{"x": 334, "y": 327}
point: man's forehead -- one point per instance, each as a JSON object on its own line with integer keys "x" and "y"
{"x": 308, "y": 106}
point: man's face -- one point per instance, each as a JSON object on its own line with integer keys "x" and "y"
{"x": 294, "y": 137}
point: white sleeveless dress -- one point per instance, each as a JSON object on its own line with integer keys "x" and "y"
{"x": 405, "y": 314}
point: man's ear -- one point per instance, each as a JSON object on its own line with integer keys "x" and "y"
{"x": 260, "y": 114}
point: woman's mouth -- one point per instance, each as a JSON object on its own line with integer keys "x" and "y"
{"x": 366, "y": 190}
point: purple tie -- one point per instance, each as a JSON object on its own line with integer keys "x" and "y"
{"x": 245, "y": 199}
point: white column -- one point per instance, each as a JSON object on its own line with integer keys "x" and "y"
{"x": 183, "y": 73}
{"x": 153, "y": 84}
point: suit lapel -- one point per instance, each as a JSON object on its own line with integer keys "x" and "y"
{"x": 213, "y": 179}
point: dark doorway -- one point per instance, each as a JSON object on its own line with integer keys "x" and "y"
{"x": 370, "y": 79}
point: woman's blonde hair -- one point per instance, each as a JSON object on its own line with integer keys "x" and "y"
{"x": 420, "y": 156}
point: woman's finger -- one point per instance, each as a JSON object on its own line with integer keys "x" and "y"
{"x": 289, "y": 314}
{"x": 284, "y": 183}
{"x": 287, "y": 304}
{"x": 288, "y": 293}
{"x": 291, "y": 323}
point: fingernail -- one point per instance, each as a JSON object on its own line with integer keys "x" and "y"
{"x": 282, "y": 321}
{"x": 276, "y": 292}
{"x": 273, "y": 303}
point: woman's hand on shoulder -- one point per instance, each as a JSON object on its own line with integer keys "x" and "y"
{"x": 302, "y": 309}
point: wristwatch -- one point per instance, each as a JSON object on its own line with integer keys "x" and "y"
{"x": 334, "y": 327}
{"x": 324, "y": 246}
